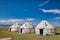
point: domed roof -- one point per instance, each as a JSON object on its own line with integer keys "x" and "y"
{"x": 15, "y": 25}
{"x": 44, "y": 24}
{"x": 26, "y": 25}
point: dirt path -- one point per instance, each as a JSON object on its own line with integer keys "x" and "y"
{"x": 5, "y": 38}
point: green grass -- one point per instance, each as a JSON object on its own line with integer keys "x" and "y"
{"x": 31, "y": 36}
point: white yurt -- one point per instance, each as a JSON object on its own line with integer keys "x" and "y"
{"x": 14, "y": 27}
{"x": 26, "y": 28}
{"x": 45, "y": 28}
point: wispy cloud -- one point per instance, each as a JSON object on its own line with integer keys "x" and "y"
{"x": 55, "y": 11}
{"x": 42, "y": 4}
{"x": 55, "y": 21}
{"x": 13, "y": 21}
{"x": 10, "y": 21}
{"x": 57, "y": 18}
{"x": 30, "y": 19}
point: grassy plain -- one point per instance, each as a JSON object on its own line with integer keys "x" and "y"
{"x": 31, "y": 36}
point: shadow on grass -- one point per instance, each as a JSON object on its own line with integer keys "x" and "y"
{"x": 57, "y": 33}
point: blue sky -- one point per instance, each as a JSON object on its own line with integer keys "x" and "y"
{"x": 33, "y": 9}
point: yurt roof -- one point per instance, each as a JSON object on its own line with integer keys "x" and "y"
{"x": 44, "y": 24}
{"x": 26, "y": 25}
{"x": 15, "y": 25}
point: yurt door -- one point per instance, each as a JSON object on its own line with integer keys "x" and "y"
{"x": 41, "y": 31}
{"x": 10, "y": 29}
{"x": 21, "y": 30}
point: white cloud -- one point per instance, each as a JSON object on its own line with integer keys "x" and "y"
{"x": 30, "y": 19}
{"x": 55, "y": 11}
{"x": 15, "y": 20}
{"x": 12, "y": 21}
{"x": 42, "y": 4}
